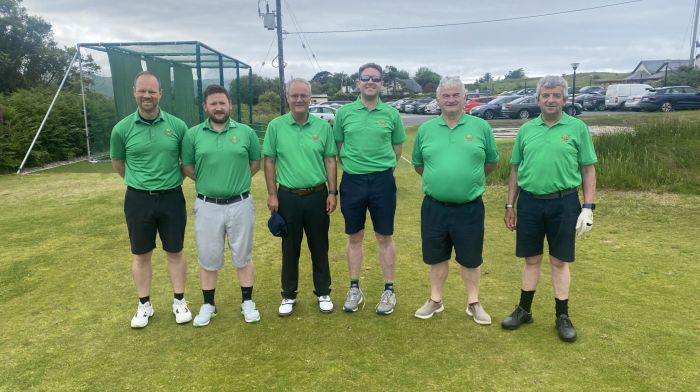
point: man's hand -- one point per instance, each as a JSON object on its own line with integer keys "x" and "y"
{"x": 272, "y": 203}
{"x": 584, "y": 222}
{"x": 330, "y": 204}
{"x": 509, "y": 219}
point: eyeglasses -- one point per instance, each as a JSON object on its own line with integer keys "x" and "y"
{"x": 297, "y": 96}
{"x": 367, "y": 78}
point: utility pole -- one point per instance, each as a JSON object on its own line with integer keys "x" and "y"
{"x": 280, "y": 56}
{"x": 693, "y": 38}
{"x": 272, "y": 21}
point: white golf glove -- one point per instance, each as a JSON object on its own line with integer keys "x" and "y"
{"x": 584, "y": 222}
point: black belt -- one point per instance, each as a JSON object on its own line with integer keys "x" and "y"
{"x": 155, "y": 192}
{"x": 223, "y": 200}
{"x": 304, "y": 191}
{"x": 554, "y": 195}
{"x": 448, "y": 204}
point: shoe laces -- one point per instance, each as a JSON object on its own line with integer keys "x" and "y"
{"x": 386, "y": 297}
{"x": 353, "y": 294}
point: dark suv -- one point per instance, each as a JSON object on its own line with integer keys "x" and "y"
{"x": 668, "y": 99}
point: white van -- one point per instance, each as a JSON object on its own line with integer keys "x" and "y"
{"x": 617, "y": 94}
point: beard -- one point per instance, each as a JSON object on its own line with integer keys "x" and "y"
{"x": 221, "y": 118}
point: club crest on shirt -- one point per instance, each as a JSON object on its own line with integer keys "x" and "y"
{"x": 469, "y": 138}
{"x": 168, "y": 132}
{"x": 315, "y": 138}
{"x": 565, "y": 138}
{"x": 235, "y": 139}
{"x": 381, "y": 123}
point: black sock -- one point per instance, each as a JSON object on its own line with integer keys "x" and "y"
{"x": 179, "y": 296}
{"x": 145, "y": 299}
{"x": 355, "y": 283}
{"x": 209, "y": 296}
{"x": 389, "y": 286}
{"x": 526, "y": 299}
{"x": 561, "y": 306}
{"x": 246, "y": 293}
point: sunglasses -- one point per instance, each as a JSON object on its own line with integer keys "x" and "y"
{"x": 367, "y": 78}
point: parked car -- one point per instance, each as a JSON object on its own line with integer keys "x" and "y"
{"x": 469, "y": 96}
{"x": 432, "y": 107}
{"x": 419, "y": 105}
{"x": 632, "y": 103}
{"x": 402, "y": 105}
{"x": 526, "y": 107}
{"x": 616, "y": 94}
{"x": 593, "y": 101}
{"x": 337, "y": 104}
{"x": 478, "y": 101}
{"x": 526, "y": 91}
{"x": 592, "y": 90}
{"x": 492, "y": 109}
{"x": 323, "y": 111}
{"x": 668, "y": 99}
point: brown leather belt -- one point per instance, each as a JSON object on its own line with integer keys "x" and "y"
{"x": 304, "y": 191}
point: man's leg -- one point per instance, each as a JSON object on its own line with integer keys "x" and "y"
{"x": 387, "y": 255}
{"x": 355, "y": 254}
{"x": 142, "y": 271}
{"x": 561, "y": 280}
{"x": 438, "y": 276}
{"x": 531, "y": 272}
{"x": 471, "y": 278}
{"x": 246, "y": 275}
{"x": 177, "y": 269}
{"x": 530, "y": 277}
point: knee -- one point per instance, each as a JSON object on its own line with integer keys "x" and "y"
{"x": 355, "y": 240}
{"x": 385, "y": 240}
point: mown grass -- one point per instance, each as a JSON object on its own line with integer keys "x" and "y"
{"x": 66, "y": 298}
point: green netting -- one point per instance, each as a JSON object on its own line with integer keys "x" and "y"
{"x": 184, "y": 91}
{"x": 124, "y": 68}
{"x": 162, "y": 71}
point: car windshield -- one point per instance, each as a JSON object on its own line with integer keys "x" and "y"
{"x": 501, "y": 100}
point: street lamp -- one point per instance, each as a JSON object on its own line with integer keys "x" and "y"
{"x": 573, "y": 89}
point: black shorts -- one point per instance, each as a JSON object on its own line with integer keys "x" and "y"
{"x": 444, "y": 226}
{"x": 555, "y": 218}
{"x": 375, "y": 192}
{"x": 147, "y": 213}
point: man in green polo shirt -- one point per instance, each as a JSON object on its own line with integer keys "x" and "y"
{"x": 221, "y": 156}
{"x": 369, "y": 135}
{"x": 454, "y": 153}
{"x": 300, "y": 156}
{"x": 553, "y": 155}
{"x": 145, "y": 151}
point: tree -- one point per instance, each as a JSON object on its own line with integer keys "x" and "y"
{"x": 29, "y": 55}
{"x": 392, "y": 76}
{"x": 424, "y": 76}
{"x": 322, "y": 77}
{"x": 683, "y": 76}
{"x": 260, "y": 85}
{"x": 485, "y": 79}
{"x": 515, "y": 74}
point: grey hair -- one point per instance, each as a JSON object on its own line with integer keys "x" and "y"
{"x": 299, "y": 80}
{"x": 552, "y": 81}
{"x": 450, "y": 82}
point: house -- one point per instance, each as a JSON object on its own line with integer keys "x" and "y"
{"x": 648, "y": 70}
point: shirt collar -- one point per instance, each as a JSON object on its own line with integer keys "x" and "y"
{"x": 563, "y": 120}
{"x": 137, "y": 117}
{"x": 462, "y": 119}
{"x": 360, "y": 106}
{"x": 229, "y": 125}
{"x": 290, "y": 119}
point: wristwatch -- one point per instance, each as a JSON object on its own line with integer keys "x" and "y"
{"x": 588, "y": 205}
{"x": 332, "y": 192}
{"x": 509, "y": 206}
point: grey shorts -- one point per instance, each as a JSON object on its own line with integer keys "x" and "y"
{"x": 214, "y": 222}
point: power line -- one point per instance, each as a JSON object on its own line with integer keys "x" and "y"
{"x": 268, "y": 53}
{"x": 467, "y": 23}
{"x": 302, "y": 38}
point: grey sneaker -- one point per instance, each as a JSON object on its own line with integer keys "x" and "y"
{"x": 428, "y": 309}
{"x": 479, "y": 314}
{"x": 206, "y": 313}
{"x": 353, "y": 300}
{"x": 250, "y": 312}
{"x": 386, "y": 303}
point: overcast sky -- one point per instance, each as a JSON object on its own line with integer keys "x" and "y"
{"x": 613, "y": 38}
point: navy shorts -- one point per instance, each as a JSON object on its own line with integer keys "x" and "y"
{"x": 375, "y": 192}
{"x": 444, "y": 226}
{"x": 147, "y": 213}
{"x": 554, "y": 218}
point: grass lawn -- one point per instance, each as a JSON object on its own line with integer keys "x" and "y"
{"x": 66, "y": 297}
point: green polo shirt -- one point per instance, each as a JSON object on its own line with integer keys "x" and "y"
{"x": 368, "y": 137}
{"x": 299, "y": 150}
{"x": 151, "y": 152}
{"x": 221, "y": 159}
{"x": 453, "y": 159}
{"x": 549, "y": 159}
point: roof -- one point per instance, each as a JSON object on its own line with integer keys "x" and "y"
{"x": 654, "y": 69}
{"x": 187, "y": 53}
{"x": 411, "y": 84}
